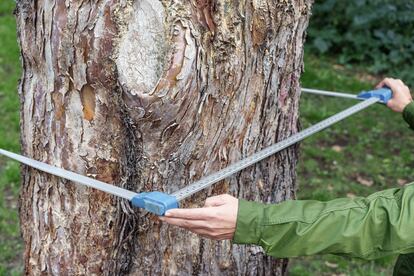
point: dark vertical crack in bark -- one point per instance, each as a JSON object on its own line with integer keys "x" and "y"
{"x": 129, "y": 221}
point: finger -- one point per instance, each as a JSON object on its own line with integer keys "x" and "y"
{"x": 400, "y": 82}
{"x": 379, "y": 85}
{"x": 390, "y": 103}
{"x": 193, "y": 213}
{"x": 386, "y": 82}
{"x": 215, "y": 201}
{"x": 200, "y": 228}
{"x": 205, "y": 233}
{"x": 213, "y": 235}
{"x": 184, "y": 223}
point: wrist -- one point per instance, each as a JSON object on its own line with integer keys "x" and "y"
{"x": 407, "y": 103}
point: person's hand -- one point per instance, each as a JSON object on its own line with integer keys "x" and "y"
{"x": 216, "y": 220}
{"x": 400, "y": 94}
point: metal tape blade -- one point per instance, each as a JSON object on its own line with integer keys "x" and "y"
{"x": 244, "y": 163}
{"x": 330, "y": 93}
{"x": 90, "y": 182}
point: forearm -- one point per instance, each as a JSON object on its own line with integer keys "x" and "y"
{"x": 368, "y": 228}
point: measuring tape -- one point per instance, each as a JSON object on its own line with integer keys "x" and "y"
{"x": 384, "y": 94}
{"x": 159, "y": 202}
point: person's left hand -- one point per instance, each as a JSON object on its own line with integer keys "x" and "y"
{"x": 216, "y": 220}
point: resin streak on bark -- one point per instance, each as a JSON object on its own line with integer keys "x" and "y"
{"x": 153, "y": 95}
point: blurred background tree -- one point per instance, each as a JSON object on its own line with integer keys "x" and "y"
{"x": 377, "y": 34}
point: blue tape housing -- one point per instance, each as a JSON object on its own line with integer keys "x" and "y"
{"x": 384, "y": 94}
{"x": 155, "y": 202}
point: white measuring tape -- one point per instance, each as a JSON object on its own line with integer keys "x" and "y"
{"x": 159, "y": 203}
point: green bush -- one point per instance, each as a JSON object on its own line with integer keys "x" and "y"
{"x": 375, "y": 34}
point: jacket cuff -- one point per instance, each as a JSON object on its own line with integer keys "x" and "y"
{"x": 408, "y": 114}
{"x": 249, "y": 222}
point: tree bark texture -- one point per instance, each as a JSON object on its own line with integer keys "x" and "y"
{"x": 152, "y": 95}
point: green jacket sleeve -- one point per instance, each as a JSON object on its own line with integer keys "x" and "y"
{"x": 408, "y": 114}
{"x": 368, "y": 228}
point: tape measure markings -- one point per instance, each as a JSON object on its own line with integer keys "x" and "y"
{"x": 238, "y": 166}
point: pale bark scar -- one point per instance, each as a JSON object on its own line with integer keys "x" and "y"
{"x": 88, "y": 102}
{"x": 58, "y": 105}
{"x": 142, "y": 47}
{"x": 177, "y": 58}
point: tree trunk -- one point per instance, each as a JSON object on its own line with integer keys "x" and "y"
{"x": 152, "y": 95}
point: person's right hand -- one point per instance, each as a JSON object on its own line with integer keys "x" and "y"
{"x": 401, "y": 96}
{"x": 216, "y": 220}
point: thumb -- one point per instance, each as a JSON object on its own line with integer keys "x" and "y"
{"x": 215, "y": 201}
{"x": 390, "y": 103}
{"x": 380, "y": 85}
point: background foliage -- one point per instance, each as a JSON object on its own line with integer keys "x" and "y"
{"x": 368, "y": 152}
{"x": 376, "y": 33}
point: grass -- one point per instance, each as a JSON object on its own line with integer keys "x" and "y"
{"x": 367, "y": 152}
{"x": 10, "y": 242}
{"x": 363, "y": 154}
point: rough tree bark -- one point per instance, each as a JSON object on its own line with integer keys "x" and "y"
{"x": 152, "y": 95}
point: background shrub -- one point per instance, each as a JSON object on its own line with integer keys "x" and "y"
{"x": 378, "y": 35}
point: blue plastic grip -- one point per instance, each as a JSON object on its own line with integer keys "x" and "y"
{"x": 384, "y": 94}
{"x": 155, "y": 202}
